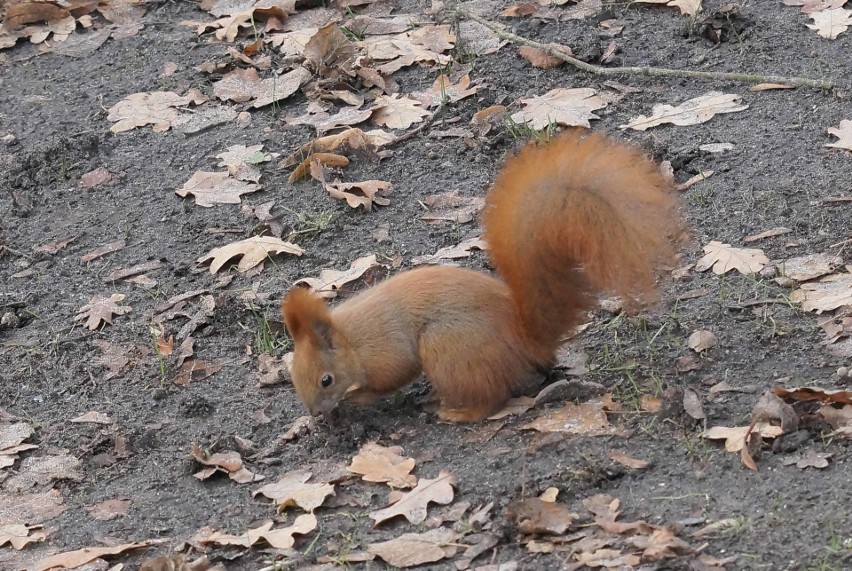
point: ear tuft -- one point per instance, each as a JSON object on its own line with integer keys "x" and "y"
{"x": 307, "y": 316}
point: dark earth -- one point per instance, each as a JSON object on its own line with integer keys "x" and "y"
{"x": 777, "y": 174}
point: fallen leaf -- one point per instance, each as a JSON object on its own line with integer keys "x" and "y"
{"x": 443, "y": 90}
{"x": 451, "y": 207}
{"x": 412, "y": 549}
{"x": 376, "y": 463}
{"x": 396, "y": 112}
{"x": 831, "y": 23}
{"x": 252, "y": 250}
{"x": 413, "y": 504}
{"x": 692, "y": 112}
{"x": 463, "y": 249}
{"x": 534, "y": 515}
{"x": 281, "y": 538}
{"x": 703, "y": 175}
{"x": 827, "y": 294}
{"x": 19, "y": 535}
{"x": 779, "y": 231}
{"x": 244, "y": 85}
{"x": 95, "y": 178}
{"x": 686, "y": 7}
{"x": 110, "y": 509}
{"x": 293, "y": 490}
{"x": 307, "y": 166}
{"x": 196, "y": 370}
{"x": 273, "y": 370}
{"x": 692, "y": 405}
{"x": 815, "y": 394}
{"x": 540, "y": 58}
{"x": 301, "y": 425}
{"x": 93, "y": 417}
{"x": 628, "y": 461}
{"x": 566, "y": 107}
{"x": 735, "y": 437}
{"x": 514, "y": 406}
{"x": 324, "y": 122}
{"x": 363, "y": 193}
{"x": 811, "y": 266}
{"x": 157, "y": 108}
{"x": 101, "y": 310}
{"x": 814, "y": 459}
{"x": 103, "y": 251}
{"x": 330, "y": 281}
{"x": 844, "y": 135}
{"x": 211, "y": 188}
{"x": 701, "y": 340}
{"x": 242, "y": 161}
{"x": 584, "y": 418}
{"x": 229, "y": 463}
{"x": 724, "y": 258}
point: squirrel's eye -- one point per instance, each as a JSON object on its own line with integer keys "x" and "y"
{"x": 326, "y": 380}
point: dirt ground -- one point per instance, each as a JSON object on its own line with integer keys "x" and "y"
{"x": 777, "y": 174}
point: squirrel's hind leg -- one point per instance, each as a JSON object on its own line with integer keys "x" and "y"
{"x": 470, "y": 414}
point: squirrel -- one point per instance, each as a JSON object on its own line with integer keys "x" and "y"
{"x": 564, "y": 222}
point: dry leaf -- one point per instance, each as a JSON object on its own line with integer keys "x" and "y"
{"x": 701, "y": 340}
{"x": 812, "y": 459}
{"x": 541, "y": 59}
{"x": 157, "y": 108}
{"x": 735, "y": 437}
{"x": 686, "y": 7}
{"x": 253, "y": 251}
{"x": 95, "y": 178}
{"x": 692, "y": 112}
{"x": 584, "y": 418}
{"x": 827, "y": 294}
{"x": 724, "y": 258}
{"x": 770, "y": 408}
{"x": 566, "y": 107}
{"x": 412, "y": 549}
{"x": 351, "y": 139}
{"x": 779, "y": 231}
{"x": 628, "y": 461}
{"x": 281, "y": 538}
{"x": 196, "y": 370}
{"x": 514, "y": 406}
{"x": 110, "y": 509}
{"x": 103, "y": 251}
{"x": 94, "y": 417}
{"x": 844, "y": 135}
{"x": 18, "y": 535}
{"x": 363, "y": 193}
{"x": 831, "y": 23}
{"x": 396, "y": 112}
{"x": 243, "y": 85}
{"x": 451, "y": 207}
{"x": 211, "y": 188}
{"x": 307, "y": 167}
{"x": 815, "y": 394}
{"x": 445, "y": 91}
{"x": 293, "y": 490}
{"x": 242, "y": 161}
{"x": 101, "y": 310}
{"x": 534, "y": 515}
{"x": 413, "y": 504}
{"x": 323, "y": 121}
{"x": 74, "y": 559}
{"x": 461, "y": 250}
{"x": 692, "y": 405}
{"x": 229, "y": 463}
{"x": 273, "y": 370}
{"x": 703, "y": 175}
{"x": 329, "y": 281}
{"x": 377, "y": 463}
{"x": 55, "y": 246}
{"x": 811, "y": 266}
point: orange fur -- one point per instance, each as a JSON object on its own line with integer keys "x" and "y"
{"x": 564, "y": 221}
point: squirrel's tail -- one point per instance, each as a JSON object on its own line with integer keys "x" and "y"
{"x": 573, "y": 218}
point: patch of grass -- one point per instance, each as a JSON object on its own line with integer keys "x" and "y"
{"x": 310, "y": 222}
{"x": 266, "y": 340}
{"x": 161, "y": 359}
{"x": 702, "y": 196}
{"x": 837, "y": 554}
{"x": 525, "y": 132}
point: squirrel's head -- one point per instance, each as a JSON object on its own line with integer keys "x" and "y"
{"x": 323, "y": 369}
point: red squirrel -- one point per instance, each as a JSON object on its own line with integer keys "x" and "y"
{"x": 564, "y": 222}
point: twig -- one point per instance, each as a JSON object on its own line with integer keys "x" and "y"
{"x": 413, "y": 133}
{"x": 655, "y": 71}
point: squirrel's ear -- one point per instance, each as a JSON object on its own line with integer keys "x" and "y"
{"x": 306, "y": 315}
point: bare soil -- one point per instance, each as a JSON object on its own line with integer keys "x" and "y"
{"x": 777, "y": 174}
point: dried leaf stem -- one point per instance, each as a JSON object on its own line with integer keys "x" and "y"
{"x": 823, "y": 84}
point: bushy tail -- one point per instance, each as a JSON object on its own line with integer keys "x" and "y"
{"x": 573, "y": 218}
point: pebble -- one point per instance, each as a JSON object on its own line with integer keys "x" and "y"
{"x": 842, "y": 372}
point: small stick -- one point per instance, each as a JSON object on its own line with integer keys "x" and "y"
{"x": 655, "y": 71}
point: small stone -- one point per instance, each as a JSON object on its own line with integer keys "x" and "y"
{"x": 841, "y": 371}
{"x": 10, "y": 140}
{"x": 9, "y": 321}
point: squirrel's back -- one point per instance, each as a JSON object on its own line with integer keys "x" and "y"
{"x": 575, "y": 217}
